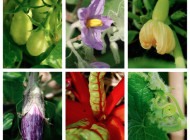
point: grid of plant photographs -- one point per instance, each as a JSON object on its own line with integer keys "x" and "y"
{"x": 112, "y": 90}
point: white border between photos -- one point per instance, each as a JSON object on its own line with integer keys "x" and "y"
{"x": 64, "y": 70}
{"x": 1, "y": 73}
{"x": 188, "y": 69}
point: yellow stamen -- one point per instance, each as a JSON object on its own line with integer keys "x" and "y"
{"x": 94, "y": 23}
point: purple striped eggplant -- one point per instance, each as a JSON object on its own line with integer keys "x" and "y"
{"x": 32, "y": 124}
{"x": 32, "y": 110}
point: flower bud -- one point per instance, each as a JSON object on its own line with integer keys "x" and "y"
{"x": 161, "y": 10}
{"x": 157, "y": 34}
{"x": 32, "y": 124}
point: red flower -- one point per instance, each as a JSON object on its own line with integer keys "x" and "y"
{"x": 76, "y": 111}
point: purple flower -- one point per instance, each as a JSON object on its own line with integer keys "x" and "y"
{"x": 93, "y": 23}
{"x": 100, "y": 65}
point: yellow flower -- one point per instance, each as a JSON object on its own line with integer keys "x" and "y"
{"x": 157, "y": 34}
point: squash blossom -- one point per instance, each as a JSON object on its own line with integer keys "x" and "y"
{"x": 93, "y": 23}
{"x": 156, "y": 33}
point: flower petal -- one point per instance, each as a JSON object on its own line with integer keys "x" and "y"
{"x": 164, "y": 37}
{"x": 157, "y": 34}
{"x": 146, "y": 35}
{"x": 106, "y": 23}
{"x": 100, "y": 65}
{"x": 96, "y": 7}
{"x": 92, "y": 38}
{"x": 83, "y": 13}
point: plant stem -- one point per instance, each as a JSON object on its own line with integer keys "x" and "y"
{"x": 32, "y": 79}
{"x": 137, "y": 25}
{"x": 147, "y": 5}
{"x": 133, "y": 16}
{"x": 77, "y": 7}
{"x": 180, "y": 31}
{"x": 72, "y": 28}
{"x": 70, "y": 45}
{"x": 173, "y": 128}
{"x": 178, "y": 55}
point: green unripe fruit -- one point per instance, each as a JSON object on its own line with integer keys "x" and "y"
{"x": 21, "y": 27}
{"x": 38, "y": 13}
{"x": 37, "y": 43}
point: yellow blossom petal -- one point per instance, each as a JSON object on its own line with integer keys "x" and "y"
{"x": 157, "y": 34}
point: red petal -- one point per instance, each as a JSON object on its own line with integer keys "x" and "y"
{"x": 119, "y": 113}
{"x": 76, "y": 111}
{"x": 81, "y": 87}
{"x": 114, "y": 97}
{"x": 115, "y": 128}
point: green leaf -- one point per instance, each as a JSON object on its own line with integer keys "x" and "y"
{"x": 55, "y": 57}
{"x": 71, "y": 1}
{"x": 178, "y": 15}
{"x": 12, "y": 55}
{"x": 83, "y": 122}
{"x": 109, "y": 59}
{"x": 85, "y": 3}
{"x": 138, "y": 4}
{"x": 85, "y": 134}
{"x": 156, "y": 83}
{"x": 71, "y": 59}
{"x": 145, "y": 18}
{"x": 83, "y": 64}
{"x": 7, "y": 121}
{"x": 13, "y": 87}
{"x": 11, "y": 76}
{"x": 145, "y": 62}
{"x": 181, "y": 0}
{"x": 118, "y": 18}
{"x": 172, "y": 2}
{"x": 57, "y": 76}
{"x": 58, "y": 124}
{"x": 41, "y": 66}
{"x": 131, "y": 35}
{"x": 49, "y": 109}
{"x": 139, "y": 97}
{"x": 68, "y": 31}
{"x": 19, "y": 106}
{"x": 111, "y": 5}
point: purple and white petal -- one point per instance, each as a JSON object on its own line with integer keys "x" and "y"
{"x": 83, "y": 13}
{"x": 92, "y": 38}
{"x": 96, "y": 7}
{"x": 106, "y": 23}
{"x": 100, "y": 65}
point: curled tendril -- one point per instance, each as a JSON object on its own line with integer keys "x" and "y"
{"x": 177, "y": 105}
{"x": 169, "y": 109}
